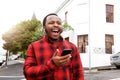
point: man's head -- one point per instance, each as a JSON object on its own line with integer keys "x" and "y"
{"x": 53, "y": 26}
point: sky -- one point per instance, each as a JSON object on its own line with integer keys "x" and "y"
{"x": 13, "y": 12}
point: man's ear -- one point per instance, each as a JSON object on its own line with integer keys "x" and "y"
{"x": 44, "y": 28}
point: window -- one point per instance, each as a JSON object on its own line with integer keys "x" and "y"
{"x": 109, "y": 42}
{"x": 109, "y": 13}
{"x": 82, "y": 43}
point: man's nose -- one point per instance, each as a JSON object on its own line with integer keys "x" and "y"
{"x": 55, "y": 24}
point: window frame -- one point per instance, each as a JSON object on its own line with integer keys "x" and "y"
{"x": 82, "y": 42}
{"x": 109, "y": 13}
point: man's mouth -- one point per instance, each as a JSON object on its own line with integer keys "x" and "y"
{"x": 55, "y": 31}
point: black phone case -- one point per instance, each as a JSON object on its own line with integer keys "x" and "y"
{"x": 66, "y": 51}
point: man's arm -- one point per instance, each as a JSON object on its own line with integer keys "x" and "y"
{"x": 78, "y": 73}
{"x": 31, "y": 69}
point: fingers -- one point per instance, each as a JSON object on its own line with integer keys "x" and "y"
{"x": 66, "y": 56}
{"x": 65, "y": 59}
{"x": 56, "y": 52}
{"x": 61, "y": 60}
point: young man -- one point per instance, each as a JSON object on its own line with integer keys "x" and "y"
{"x": 44, "y": 60}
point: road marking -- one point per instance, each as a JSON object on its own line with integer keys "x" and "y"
{"x": 115, "y": 79}
{"x": 11, "y": 76}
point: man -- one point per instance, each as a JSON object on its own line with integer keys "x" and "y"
{"x": 44, "y": 60}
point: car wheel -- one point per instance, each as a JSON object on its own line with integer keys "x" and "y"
{"x": 118, "y": 67}
{"x": 0, "y": 64}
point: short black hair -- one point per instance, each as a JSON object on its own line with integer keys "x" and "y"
{"x": 44, "y": 20}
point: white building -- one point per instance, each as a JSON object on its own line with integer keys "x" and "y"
{"x": 96, "y": 26}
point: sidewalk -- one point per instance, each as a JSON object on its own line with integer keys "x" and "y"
{"x": 11, "y": 62}
{"x": 15, "y": 69}
{"x": 95, "y": 70}
{"x": 86, "y": 70}
{"x": 20, "y": 60}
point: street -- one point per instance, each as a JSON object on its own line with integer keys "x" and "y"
{"x": 12, "y": 72}
{"x": 110, "y": 74}
{"x": 15, "y": 72}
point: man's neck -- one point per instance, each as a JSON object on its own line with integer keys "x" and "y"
{"x": 53, "y": 40}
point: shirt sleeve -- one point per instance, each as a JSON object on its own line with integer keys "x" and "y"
{"x": 77, "y": 67}
{"x": 31, "y": 69}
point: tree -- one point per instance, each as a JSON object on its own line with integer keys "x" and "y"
{"x": 20, "y": 36}
{"x": 66, "y": 26}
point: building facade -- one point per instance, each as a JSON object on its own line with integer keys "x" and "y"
{"x": 96, "y": 31}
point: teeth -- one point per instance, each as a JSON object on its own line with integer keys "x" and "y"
{"x": 55, "y": 31}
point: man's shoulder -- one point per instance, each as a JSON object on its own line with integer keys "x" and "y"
{"x": 70, "y": 43}
{"x": 38, "y": 41}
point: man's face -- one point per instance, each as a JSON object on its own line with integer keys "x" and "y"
{"x": 53, "y": 27}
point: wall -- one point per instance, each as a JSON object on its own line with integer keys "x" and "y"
{"x": 91, "y": 19}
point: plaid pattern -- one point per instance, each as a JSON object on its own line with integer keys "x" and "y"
{"x": 39, "y": 66}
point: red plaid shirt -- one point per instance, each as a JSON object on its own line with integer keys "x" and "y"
{"x": 39, "y": 66}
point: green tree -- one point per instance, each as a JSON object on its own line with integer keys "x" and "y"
{"x": 66, "y": 27}
{"x": 20, "y": 36}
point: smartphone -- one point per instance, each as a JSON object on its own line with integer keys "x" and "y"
{"x": 66, "y": 51}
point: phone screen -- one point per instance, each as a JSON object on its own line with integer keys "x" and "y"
{"x": 66, "y": 51}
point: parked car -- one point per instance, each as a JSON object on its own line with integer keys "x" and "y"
{"x": 115, "y": 60}
{"x": 14, "y": 56}
{"x": 2, "y": 59}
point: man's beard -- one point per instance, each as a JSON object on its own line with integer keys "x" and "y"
{"x": 51, "y": 39}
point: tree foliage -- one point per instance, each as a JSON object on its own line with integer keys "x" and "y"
{"x": 66, "y": 27}
{"x": 20, "y": 36}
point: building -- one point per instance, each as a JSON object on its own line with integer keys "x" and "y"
{"x": 96, "y": 26}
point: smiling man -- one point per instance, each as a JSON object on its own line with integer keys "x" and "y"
{"x": 44, "y": 60}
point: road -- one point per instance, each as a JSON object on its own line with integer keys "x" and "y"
{"x": 15, "y": 72}
{"x": 12, "y": 72}
{"x": 110, "y": 74}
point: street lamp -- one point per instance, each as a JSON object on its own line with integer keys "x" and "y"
{"x": 89, "y": 36}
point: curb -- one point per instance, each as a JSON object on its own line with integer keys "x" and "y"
{"x": 97, "y": 69}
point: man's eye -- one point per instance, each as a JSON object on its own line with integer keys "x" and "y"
{"x": 51, "y": 23}
{"x": 59, "y": 23}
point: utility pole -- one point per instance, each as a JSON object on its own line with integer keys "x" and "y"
{"x": 89, "y": 36}
{"x": 6, "y": 59}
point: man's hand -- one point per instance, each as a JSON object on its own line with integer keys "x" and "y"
{"x": 60, "y": 60}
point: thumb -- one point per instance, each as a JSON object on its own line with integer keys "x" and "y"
{"x": 56, "y": 52}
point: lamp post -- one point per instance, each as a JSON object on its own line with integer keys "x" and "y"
{"x": 6, "y": 58}
{"x": 89, "y": 36}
